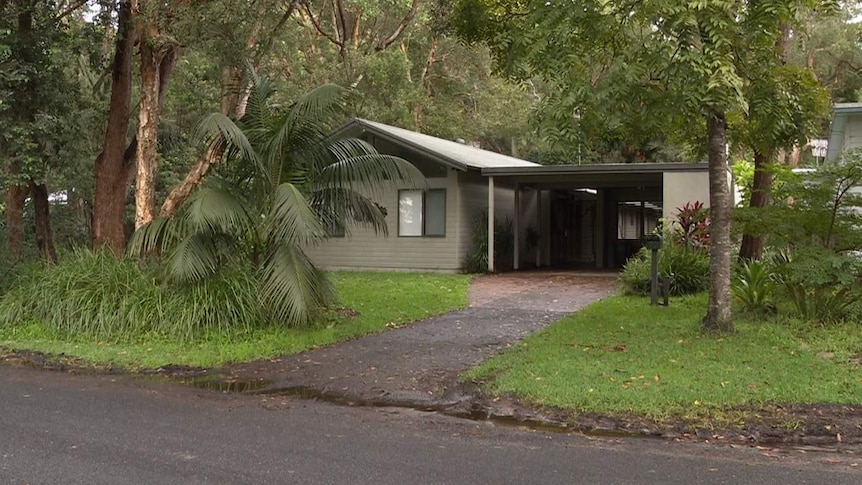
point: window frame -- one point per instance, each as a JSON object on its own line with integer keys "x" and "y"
{"x": 424, "y": 213}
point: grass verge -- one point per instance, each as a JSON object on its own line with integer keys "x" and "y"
{"x": 621, "y": 356}
{"x": 379, "y": 299}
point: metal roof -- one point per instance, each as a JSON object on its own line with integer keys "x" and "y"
{"x": 847, "y": 107}
{"x": 454, "y": 154}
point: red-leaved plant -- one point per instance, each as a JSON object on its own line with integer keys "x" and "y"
{"x": 692, "y": 225}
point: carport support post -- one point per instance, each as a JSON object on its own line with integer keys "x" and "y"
{"x": 491, "y": 224}
{"x": 653, "y": 289}
{"x": 517, "y": 226}
{"x": 541, "y": 223}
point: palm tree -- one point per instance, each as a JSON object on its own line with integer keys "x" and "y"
{"x": 285, "y": 184}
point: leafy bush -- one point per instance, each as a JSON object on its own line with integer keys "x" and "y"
{"x": 821, "y": 285}
{"x": 683, "y": 257}
{"x": 686, "y": 268}
{"x": 819, "y": 208}
{"x": 504, "y": 245}
{"x": 96, "y": 296}
{"x": 754, "y": 287}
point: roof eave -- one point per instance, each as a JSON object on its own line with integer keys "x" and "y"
{"x": 362, "y": 127}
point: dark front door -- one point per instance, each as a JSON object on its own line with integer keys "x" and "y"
{"x": 572, "y": 229}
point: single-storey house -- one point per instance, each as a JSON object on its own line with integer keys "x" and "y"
{"x": 567, "y": 216}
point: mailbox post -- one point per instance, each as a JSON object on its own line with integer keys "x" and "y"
{"x": 653, "y": 243}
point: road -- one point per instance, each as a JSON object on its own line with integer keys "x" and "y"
{"x": 63, "y": 429}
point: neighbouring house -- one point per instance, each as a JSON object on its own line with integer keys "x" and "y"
{"x": 846, "y": 129}
{"x": 567, "y": 216}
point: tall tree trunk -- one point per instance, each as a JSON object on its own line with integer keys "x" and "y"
{"x": 157, "y": 64}
{"x": 22, "y": 102}
{"x": 146, "y": 159}
{"x": 15, "y": 196}
{"x": 752, "y": 245}
{"x": 181, "y": 192}
{"x": 719, "y": 316}
{"x": 42, "y": 218}
{"x": 233, "y": 102}
{"x": 113, "y": 167}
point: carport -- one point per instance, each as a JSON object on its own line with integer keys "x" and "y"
{"x": 591, "y": 216}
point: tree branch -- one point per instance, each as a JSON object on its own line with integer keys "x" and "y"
{"x": 70, "y": 10}
{"x": 343, "y": 18}
{"x": 264, "y": 50}
{"x": 405, "y": 22}
{"x": 317, "y": 26}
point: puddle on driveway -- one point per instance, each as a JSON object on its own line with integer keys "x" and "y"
{"x": 217, "y": 382}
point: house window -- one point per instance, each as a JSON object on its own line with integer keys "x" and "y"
{"x": 422, "y": 213}
{"x": 636, "y": 219}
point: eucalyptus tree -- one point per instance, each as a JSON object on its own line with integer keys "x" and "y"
{"x": 238, "y": 37}
{"x": 285, "y": 183}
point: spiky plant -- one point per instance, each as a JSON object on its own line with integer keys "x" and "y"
{"x": 288, "y": 183}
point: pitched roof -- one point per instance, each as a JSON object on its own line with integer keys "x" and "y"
{"x": 454, "y": 154}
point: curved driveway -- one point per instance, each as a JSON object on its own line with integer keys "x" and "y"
{"x": 417, "y": 364}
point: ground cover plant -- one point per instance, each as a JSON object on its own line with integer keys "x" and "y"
{"x": 116, "y": 313}
{"x": 622, "y": 356}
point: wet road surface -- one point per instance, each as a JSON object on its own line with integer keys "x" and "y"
{"x": 59, "y": 428}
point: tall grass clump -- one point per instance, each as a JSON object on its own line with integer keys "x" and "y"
{"x": 476, "y": 260}
{"x": 94, "y": 296}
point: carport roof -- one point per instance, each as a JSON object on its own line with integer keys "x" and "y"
{"x": 595, "y": 169}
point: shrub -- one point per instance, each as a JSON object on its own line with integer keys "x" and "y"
{"x": 820, "y": 284}
{"x": 692, "y": 225}
{"x": 754, "y": 287}
{"x": 686, "y": 268}
{"x": 504, "y": 245}
{"x": 96, "y": 296}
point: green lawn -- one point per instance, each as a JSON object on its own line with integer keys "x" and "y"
{"x": 381, "y": 300}
{"x": 622, "y": 356}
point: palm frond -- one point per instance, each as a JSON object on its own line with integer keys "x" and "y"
{"x": 218, "y": 207}
{"x": 304, "y": 125}
{"x": 372, "y": 171}
{"x": 218, "y": 124}
{"x": 317, "y": 106}
{"x": 193, "y": 259}
{"x": 292, "y": 219}
{"x": 292, "y": 287}
{"x": 155, "y": 236}
{"x": 337, "y": 206}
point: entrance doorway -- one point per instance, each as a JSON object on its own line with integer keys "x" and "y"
{"x": 573, "y": 222}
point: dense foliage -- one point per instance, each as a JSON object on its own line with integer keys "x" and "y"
{"x": 683, "y": 257}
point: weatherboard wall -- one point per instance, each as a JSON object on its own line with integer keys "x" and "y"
{"x": 363, "y": 249}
